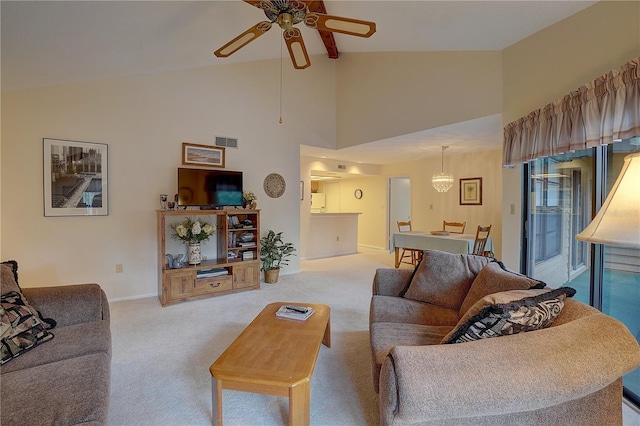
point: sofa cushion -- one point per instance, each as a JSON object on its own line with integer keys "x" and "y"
{"x": 385, "y": 335}
{"x": 495, "y": 278}
{"x": 443, "y": 278}
{"x": 509, "y": 312}
{"x": 72, "y": 391}
{"x": 72, "y": 341}
{"x": 401, "y": 310}
{"x": 20, "y": 327}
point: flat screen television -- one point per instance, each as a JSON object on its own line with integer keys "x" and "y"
{"x": 209, "y": 188}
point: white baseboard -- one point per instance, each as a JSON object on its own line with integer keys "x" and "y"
{"x": 372, "y": 247}
{"x": 140, "y": 296}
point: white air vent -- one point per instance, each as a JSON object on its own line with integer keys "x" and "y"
{"x": 228, "y": 142}
{"x": 342, "y": 167}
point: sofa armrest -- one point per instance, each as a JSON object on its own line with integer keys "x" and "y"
{"x": 70, "y": 304}
{"x": 390, "y": 282}
{"x": 509, "y": 374}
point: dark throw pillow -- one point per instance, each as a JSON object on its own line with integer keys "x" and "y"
{"x": 9, "y": 277}
{"x": 508, "y": 312}
{"x": 443, "y": 279}
{"x": 20, "y": 327}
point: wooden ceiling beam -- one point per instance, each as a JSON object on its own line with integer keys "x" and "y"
{"x": 326, "y": 36}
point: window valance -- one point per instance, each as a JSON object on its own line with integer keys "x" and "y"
{"x": 601, "y": 112}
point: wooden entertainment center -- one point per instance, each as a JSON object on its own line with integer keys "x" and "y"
{"x": 229, "y": 249}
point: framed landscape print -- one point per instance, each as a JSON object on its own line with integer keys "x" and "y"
{"x": 75, "y": 178}
{"x": 202, "y": 155}
{"x": 471, "y": 191}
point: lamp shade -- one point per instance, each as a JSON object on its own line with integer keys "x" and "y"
{"x": 618, "y": 221}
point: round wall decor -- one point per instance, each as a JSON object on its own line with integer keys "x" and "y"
{"x": 358, "y": 193}
{"x": 274, "y": 185}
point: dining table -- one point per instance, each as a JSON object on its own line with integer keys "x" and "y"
{"x": 421, "y": 240}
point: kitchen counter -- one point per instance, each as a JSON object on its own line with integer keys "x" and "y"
{"x": 332, "y": 234}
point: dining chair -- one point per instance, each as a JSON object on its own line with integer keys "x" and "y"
{"x": 413, "y": 254}
{"x": 479, "y": 245}
{"x": 458, "y": 227}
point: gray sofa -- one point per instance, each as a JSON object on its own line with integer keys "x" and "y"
{"x": 567, "y": 373}
{"x": 64, "y": 380}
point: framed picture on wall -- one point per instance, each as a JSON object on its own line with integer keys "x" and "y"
{"x": 202, "y": 155}
{"x": 75, "y": 178}
{"x": 471, "y": 191}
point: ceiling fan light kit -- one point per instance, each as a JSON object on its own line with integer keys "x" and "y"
{"x": 442, "y": 182}
{"x": 287, "y": 13}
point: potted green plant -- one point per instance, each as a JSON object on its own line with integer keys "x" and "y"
{"x": 274, "y": 254}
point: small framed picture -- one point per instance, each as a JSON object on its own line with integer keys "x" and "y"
{"x": 202, "y": 155}
{"x": 471, "y": 191}
{"x": 75, "y": 178}
{"x": 301, "y": 190}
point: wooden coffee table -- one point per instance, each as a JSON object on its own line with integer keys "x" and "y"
{"x": 273, "y": 356}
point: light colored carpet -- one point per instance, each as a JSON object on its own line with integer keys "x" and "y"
{"x": 161, "y": 356}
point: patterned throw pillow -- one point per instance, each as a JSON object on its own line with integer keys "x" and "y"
{"x": 20, "y": 327}
{"x": 9, "y": 283}
{"x": 505, "y": 313}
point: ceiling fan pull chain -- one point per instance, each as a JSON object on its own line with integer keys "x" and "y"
{"x": 281, "y": 41}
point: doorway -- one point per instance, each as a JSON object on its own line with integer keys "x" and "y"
{"x": 399, "y": 202}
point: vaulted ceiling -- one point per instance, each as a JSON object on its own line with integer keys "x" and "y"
{"x": 57, "y": 42}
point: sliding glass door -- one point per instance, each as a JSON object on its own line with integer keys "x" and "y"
{"x": 564, "y": 190}
{"x": 621, "y": 268}
{"x": 559, "y": 208}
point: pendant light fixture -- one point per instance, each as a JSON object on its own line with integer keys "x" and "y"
{"x": 442, "y": 182}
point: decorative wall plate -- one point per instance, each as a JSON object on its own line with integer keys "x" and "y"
{"x": 274, "y": 185}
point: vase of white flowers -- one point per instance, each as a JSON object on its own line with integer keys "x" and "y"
{"x": 249, "y": 200}
{"x": 193, "y": 232}
{"x": 194, "y": 254}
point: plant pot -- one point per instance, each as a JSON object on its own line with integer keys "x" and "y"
{"x": 271, "y": 276}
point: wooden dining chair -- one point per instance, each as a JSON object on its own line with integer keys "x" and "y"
{"x": 479, "y": 245}
{"x": 458, "y": 227}
{"x": 413, "y": 255}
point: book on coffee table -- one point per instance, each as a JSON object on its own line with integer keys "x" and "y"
{"x": 295, "y": 312}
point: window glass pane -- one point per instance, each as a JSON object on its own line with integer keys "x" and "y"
{"x": 621, "y": 281}
{"x": 560, "y": 207}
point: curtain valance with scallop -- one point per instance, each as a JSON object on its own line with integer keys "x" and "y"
{"x": 601, "y": 112}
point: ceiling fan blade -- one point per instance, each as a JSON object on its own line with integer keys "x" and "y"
{"x": 243, "y": 39}
{"x": 297, "y": 51}
{"x": 338, "y": 24}
{"x": 255, "y": 3}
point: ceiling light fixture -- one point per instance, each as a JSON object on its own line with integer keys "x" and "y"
{"x": 442, "y": 182}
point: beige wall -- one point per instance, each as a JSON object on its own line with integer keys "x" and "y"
{"x": 429, "y": 207}
{"x": 551, "y": 64}
{"x": 360, "y": 98}
{"x": 144, "y": 120}
{"x": 381, "y": 95}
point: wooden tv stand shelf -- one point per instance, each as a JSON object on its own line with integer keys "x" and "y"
{"x": 230, "y": 248}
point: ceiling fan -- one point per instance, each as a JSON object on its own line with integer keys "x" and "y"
{"x": 287, "y": 13}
